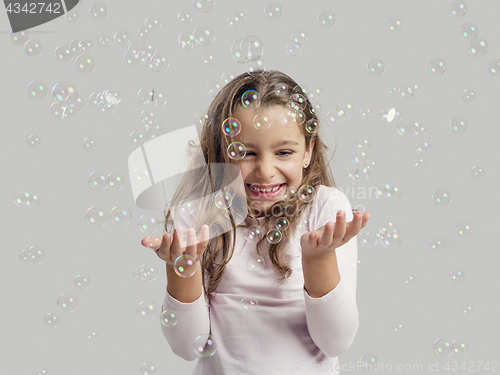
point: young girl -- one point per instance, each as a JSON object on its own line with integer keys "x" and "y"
{"x": 277, "y": 291}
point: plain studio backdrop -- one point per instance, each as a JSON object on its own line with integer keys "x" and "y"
{"x": 407, "y": 284}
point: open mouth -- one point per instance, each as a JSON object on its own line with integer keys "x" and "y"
{"x": 271, "y": 194}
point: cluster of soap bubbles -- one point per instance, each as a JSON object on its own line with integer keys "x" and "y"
{"x": 362, "y": 167}
{"x": 97, "y": 11}
{"x": 294, "y": 47}
{"x": 388, "y": 235}
{"x": 236, "y": 19}
{"x": 97, "y": 216}
{"x": 81, "y": 50}
{"x": 100, "y": 181}
{"x": 476, "y": 46}
{"x": 338, "y": 115}
{"x": 34, "y": 254}
{"x": 146, "y": 273}
{"x": 202, "y": 35}
{"x": 404, "y": 91}
{"x": 25, "y": 198}
{"x": 141, "y": 52}
{"x": 443, "y": 347}
{"x": 67, "y": 102}
{"x": 33, "y": 47}
{"x": 150, "y": 96}
{"x": 249, "y": 51}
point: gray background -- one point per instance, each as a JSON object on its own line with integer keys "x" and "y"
{"x": 333, "y": 59}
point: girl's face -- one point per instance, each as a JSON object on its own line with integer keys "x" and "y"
{"x": 267, "y": 162}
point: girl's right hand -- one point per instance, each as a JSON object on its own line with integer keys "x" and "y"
{"x": 169, "y": 249}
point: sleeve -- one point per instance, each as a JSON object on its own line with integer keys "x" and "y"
{"x": 192, "y": 321}
{"x": 333, "y": 319}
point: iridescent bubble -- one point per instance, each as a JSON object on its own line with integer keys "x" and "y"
{"x": 398, "y": 327}
{"x": 254, "y": 234}
{"x": 147, "y": 368}
{"x": 89, "y": 143}
{"x": 312, "y": 126}
{"x": 468, "y": 31}
{"x": 91, "y": 335}
{"x": 185, "y": 207}
{"x": 96, "y": 217}
{"x": 291, "y": 118}
{"x": 231, "y": 127}
{"x": 105, "y": 108}
{"x": 457, "y": 274}
{"x": 184, "y": 17}
{"x": 148, "y": 223}
{"x": 280, "y": 88}
{"x": 375, "y": 66}
{"x": 22, "y": 197}
{"x": 156, "y": 63}
{"x": 406, "y": 91}
{"x": 422, "y": 147}
{"x": 255, "y": 263}
{"x": 73, "y": 16}
{"x": 359, "y": 157}
{"x": 85, "y": 63}
{"x": 137, "y": 137}
{"x": 458, "y": 9}
{"x": 33, "y": 47}
{"x": 494, "y": 67}
{"x": 169, "y": 318}
{"x": 261, "y": 121}
{"x": 418, "y": 162}
{"x": 408, "y": 280}
{"x": 274, "y": 236}
{"x": 186, "y": 40}
{"x": 98, "y": 11}
{"x": 97, "y": 180}
{"x": 458, "y": 125}
{"x": 51, "y": 319}
{"x": 185, "y": 265}
{"x": 122, "y": 37}
{"x": 282, "y": 224}
{"x": 236, "y": 151}
{"x": 155, "y": 131}
{"x": 254, "y": 66}
{"x": 232, "y": 22}
{"x": 326, "y": 18}
{"x": 153, "y": 23}
{"x": 394, "y": 24}
{"x": 146, "y": 309}
{"x": 63, "y": 54}
{"x": 345, "y": 107}
{"x": 250, "y": 99}
{"x": 19, "y": 38}
{"x": 204, "y": 35}
{"x": 299, "y": 36}
{"x": 391, "y": 115}
{"x": 363, "y": 144}
{"x": 441, "y": 197}
{"x": 67, "y": 302}
{"x": 366, "y": 238}
{"x": 204, "y": 345}
{"x": 469, "y": 95}
{"x": 82, "y": 281}
{"x": 226, "y": 78}
{"x": 213, "y": 88}
{"x": 248, "y": 305}
{"x": 35, "y": 254}
{"x": 467, "y": 309}
{"x": 223, "y": 200}
{"x": 239, "y": 15}
{"x": 204, "y": 6}
{"x": 86, "y": 45}
{"x": 477, "y": 47}
{"x": 477, "y": 171}
{"x": 335, "y": 117}
{"x": 464, "y": 229}
{"x": 120, "y": 215}
{"x": 369, "y": 362}
{"x": 146, "y": 272}
{"x": 436, "y": 244}
{"x": 74, "y": 46}
{"x": 37, "y": 90}
{"x": 315, "y": 93}
{"x": 459, "y": 347}
{"x": 297, "y": 101}
{"x": 34, "y": 141}
{"x": 365, "y": 112}
{"x": 208, "y": 59}
{"x": 293, "y": 49}
{"x": 273, "y": 11}
{"x": 392, "y": 90}
{"x": 417, "y": 129}
{"x": 306, "y": 193}
{"x": 437, "y": 66}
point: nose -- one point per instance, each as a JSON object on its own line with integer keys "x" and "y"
{"x": 265, "y": 170}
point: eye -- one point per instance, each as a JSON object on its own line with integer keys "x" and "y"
{"x": 286, "y": 153}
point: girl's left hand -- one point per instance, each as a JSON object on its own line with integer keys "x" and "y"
{"x": 326, "y": 239}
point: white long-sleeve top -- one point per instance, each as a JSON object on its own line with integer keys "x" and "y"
{"x": 290, "y": 331}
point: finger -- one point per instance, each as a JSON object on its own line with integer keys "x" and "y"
{"x": 177, "y": 247}
{"x": 191, "y": 242}
{"x": 327, "y": 237}
{"x": 164, "y": 250}
{"x": 340, "y": 228}
{"x": 151, "y": 242}
{"x": 205, "y": 235}
{"x": 356, "y": 226}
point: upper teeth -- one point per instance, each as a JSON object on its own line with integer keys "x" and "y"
{"x": 266, "y": 190}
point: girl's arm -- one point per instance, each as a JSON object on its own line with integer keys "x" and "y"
{"x": 185, "y": 290}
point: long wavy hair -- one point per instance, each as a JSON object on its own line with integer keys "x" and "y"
{"x": 275, "y": 89}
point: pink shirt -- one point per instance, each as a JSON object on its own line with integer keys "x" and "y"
{"x": 290, "y": 331}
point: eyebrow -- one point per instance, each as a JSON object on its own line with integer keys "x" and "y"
{"x": 275, "y": 144}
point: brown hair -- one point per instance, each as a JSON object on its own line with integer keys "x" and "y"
{"x": 203, "y": 181}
